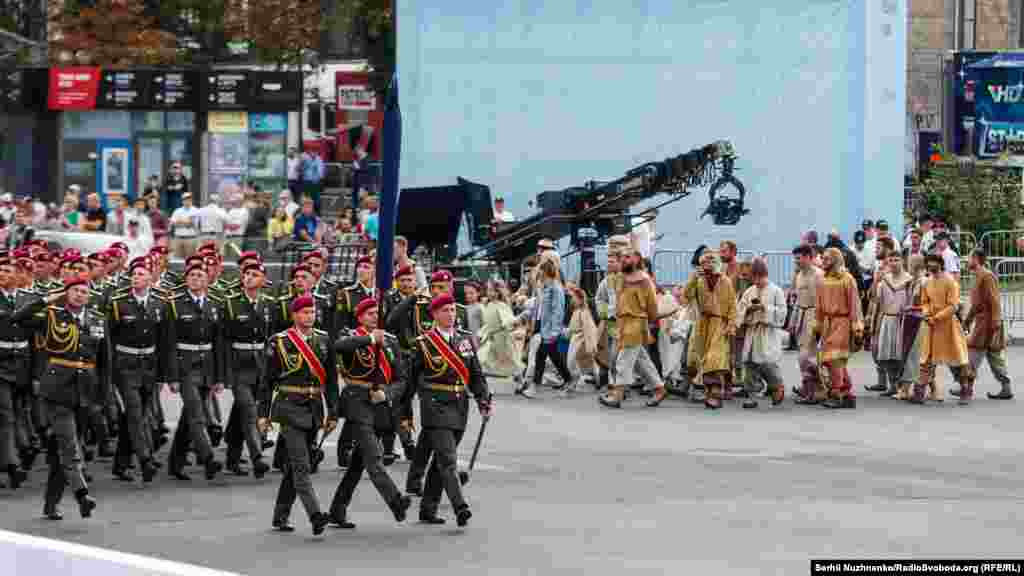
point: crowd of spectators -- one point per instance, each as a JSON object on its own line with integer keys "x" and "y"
{"x": 238, "y": 218}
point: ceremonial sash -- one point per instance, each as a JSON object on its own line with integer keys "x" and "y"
{"x": 307, "y": 353}
{"x": 449, "y": 355}
{"x": 382, "y": 358}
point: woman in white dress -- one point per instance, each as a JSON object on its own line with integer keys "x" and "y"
{"x": 499, "y": 354}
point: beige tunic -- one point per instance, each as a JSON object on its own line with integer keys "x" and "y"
{"x": 893, "y": 297}
{"x": 945, "y": 343}
{"x": 801, "y": 323}
{"x": 837, "y": 315}
{"x": 716, "y": 308}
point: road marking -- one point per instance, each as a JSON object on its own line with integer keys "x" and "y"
{"x": 43, "y": 555}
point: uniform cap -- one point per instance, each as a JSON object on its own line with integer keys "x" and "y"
{"x": 441, "y": 276}
{"x": 256, "y": 266}
{"x": 76, "y": 281}
{"x": 314, "y": 254}
{"x": 141, "y": 261}
{"x": 440, "y": 301}
{"x": 364, "y": 260}
{"x": 364, "y": 306}
{"x": 301, "y": 268}
{"x": 194, "y": 266}
{"x": 301, "y": 303}
{"x": 406, "y": 270}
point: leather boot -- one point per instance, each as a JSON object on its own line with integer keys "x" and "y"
{"x": 966, "y": 389}
{"x": 16, "y": 476}
{"x": 918, "y": 396}
{"x": 86, "y": 503}
{"x": 614, "y": 397}
{"x": 806, "y": 396}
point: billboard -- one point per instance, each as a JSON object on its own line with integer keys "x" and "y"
{"x": 998, "y": 110}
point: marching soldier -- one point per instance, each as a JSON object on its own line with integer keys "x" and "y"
{"x": 192, "y": 368}
{"x": 301, "y": 285}
{"x": 407, "y": 331}
{"x": 348, "y": 301}
{"x": 370, "y": 362}
{"x": 245, "y": 328}
{"x": 444, "y": 368}
{"x": 14, "y": 354}
{"x": 422, "y": 311}
{"x": 73, "y": 337}
{"x": 318, "y": 266}
{"x": 135, "y": 324}
{"x": 300, "y": 379}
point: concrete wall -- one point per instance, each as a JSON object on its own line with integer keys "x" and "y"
{"x": 527, "y": 96}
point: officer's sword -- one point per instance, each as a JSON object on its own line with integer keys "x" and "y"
{"x": 464, "y": 474}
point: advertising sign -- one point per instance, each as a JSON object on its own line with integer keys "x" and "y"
{"x": 275, "y": 91}
{"x": 226, "y": 90}
{"x": 127, "y": 89}
{"x": 229, "y": 122}
{"x": 264, "y": 123}
{"x": 229, "y": 153}
{"x": 998, "y": 110}
{"x": 964, "y": 90}
{"x": 356, "y": 97}
{"x": 74, "y": 88}
{"x": 174, "y": 90}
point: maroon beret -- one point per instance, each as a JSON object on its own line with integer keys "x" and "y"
{"x": 301, "y": 303}
{"x": 314, "y": 254}
{"x": 194, "y": 266}
{"x": 301, "y": 268}
{"x": 406, "y": 270}
{"x": 194, "y": 259}
{"x": 441, "y": 276}
{"x": 76, "y": 281}
{"x": 364, "y": 260}
{"x": 141, "y": 261}
{"x": 441, "y": 300}
{"x": 368, "y": 304}
{"x": 71, "y": 259}
{"x": 249, "y": 255}
{"x": 162, "y": 250}
{"x": 26, "y": 263}
{"x": 255, "y": 266}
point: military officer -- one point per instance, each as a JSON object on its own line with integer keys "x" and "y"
{"x": 14, "y": 354}
{"x": 301, "y": 285}
{"x": 73, "y": 337}
{"x": 440, "y": 284}
{"x": 301, "y": 377}
{"x": 135, "y": 326}
{"x": 245, "y": 328}
{"x": 407, "y": 331}
{"x": 444, "y": 369}
{"x": 192, "y": 367}
{"x": 369, "y": 360}
{"x": 348, "y": 300}
{"x": 317, "y": 263}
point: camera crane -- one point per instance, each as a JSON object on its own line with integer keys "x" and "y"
{"x": 589, "y": 214}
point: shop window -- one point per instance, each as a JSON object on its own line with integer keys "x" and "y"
{"x": 181, "y": 121}
{"x": 96, "y": 124}
{"x": 148, "y": 121}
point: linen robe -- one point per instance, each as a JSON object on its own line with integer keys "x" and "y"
{"x": 945, "y": 343}
{"x": 837, "y": 315}
{"x": 762, "y": 341}
{"x": 710, "y": 348}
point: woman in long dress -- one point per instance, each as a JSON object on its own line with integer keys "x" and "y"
{"x": 499, "y": 353}
{"x": 582, "y": 340}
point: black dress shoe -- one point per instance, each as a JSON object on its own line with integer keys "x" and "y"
{"x": 283, "y": 526}
{"x": 86, "y": 503}
{"x": 52, "y": 514}
{"x": 157, "y": 464}
{"x": 414, "y": 490}
{"x": 259, "y": 468}
{"x": 1002, "y": 395}
{"x": 123, "y": 475}
{"x": 319, "y": 522}
{"x": 148, "y": 471}
{"x": 268, "y": 444}
{"x": 750, "y": 404}
{"x": 877, "y": 388}
{"x": 213, "y": 468}
{"x": 432, "y": 519}
{"x": 462, "y": 516}
{"x": 237, "y": 470}
{"x": 180, "y": 475}
{"x": 742, "y": 393}
{"x": 16, "y": 476}
{"x": 341, "y": 522}
{"x": 400, "y": 507}
{"x": 389, "y": 458}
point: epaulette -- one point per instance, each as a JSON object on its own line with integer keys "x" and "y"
{"x": 463, "y": 332}
{"x": 319, "y": 331}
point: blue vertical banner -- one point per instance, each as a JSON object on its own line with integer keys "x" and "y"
{"x": 392, "y": 154}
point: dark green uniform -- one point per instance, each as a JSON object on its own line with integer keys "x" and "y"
{"x": 73, "y": 343}
{"x": 444, "y": 411}
{"x": 367, "y": 368}
{"x": 294, "y": 397}
{"x": 245, "y": 328}
{"x": 15, "y": 354}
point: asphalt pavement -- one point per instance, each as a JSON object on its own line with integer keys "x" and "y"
{"x": 563, "y": 486}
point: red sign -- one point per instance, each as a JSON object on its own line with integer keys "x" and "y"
{"x": 74, "y": 88}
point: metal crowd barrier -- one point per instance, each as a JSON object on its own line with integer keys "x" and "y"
{"x": 999, "y": 243}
